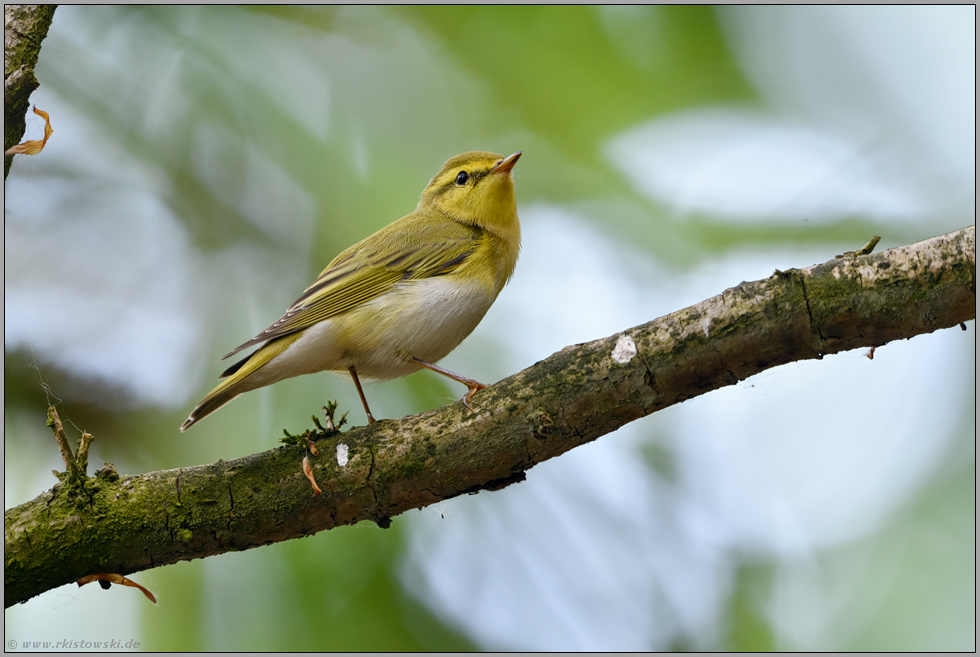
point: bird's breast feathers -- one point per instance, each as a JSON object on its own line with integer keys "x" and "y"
{"x": 424, "y": 319}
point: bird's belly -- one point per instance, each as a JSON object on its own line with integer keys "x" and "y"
{"x": 423, "y": 319}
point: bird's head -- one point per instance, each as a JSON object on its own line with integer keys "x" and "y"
{"x": 475, "y": 188}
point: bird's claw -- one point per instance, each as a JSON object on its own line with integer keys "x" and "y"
{"x": 473, "y": 389}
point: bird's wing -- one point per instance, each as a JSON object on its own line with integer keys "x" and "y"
{"x": 373, "y": 267}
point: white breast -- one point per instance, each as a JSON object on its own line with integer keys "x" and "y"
{"x": 423, "y": 319}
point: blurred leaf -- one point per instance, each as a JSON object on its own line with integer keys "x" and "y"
{"x": 749, "y": 630}
{"x": 587, "y": 73}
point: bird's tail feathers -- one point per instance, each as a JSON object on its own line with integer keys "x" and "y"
{"x": 236, "y": 379}
{"x": 215, "y": 400}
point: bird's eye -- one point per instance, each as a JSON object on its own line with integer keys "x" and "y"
{"x": 462, "y": 178}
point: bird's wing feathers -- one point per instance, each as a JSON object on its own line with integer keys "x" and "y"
{"x": 349, "y": 281}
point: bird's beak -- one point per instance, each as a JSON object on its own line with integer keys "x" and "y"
{"x": 507, "y": 164}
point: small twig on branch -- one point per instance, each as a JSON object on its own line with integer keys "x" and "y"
{"x": 864, "y": 250}
{"x": 59, "y": 436}
{"x": 76, "y": 464}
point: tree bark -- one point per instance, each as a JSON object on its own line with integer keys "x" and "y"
{"x": 24, "y": 27}
{"x": 124, "y": 524}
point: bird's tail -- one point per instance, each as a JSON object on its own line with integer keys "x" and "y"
{"x": 239, "y": 379}
{"x": 214, "y": 400}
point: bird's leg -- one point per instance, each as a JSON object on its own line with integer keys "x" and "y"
{"x": 357, "y": 384}
{"x": 469, "y": 383}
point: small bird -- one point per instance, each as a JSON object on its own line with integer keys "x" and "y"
{"x": 401, "y": 299}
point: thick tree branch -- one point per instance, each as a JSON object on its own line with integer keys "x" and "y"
{"x": 24, "y": 27}
{"x": 130, "y": 523}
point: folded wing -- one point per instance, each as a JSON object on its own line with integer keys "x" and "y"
{"x": 364, "y": 272}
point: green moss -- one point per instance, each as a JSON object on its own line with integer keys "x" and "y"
{"x": 412, "y": 469}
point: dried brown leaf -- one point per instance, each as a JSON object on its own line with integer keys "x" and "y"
{"x": 117, "y": 579}
{"x": 308, "y": 471}
{"x": 33, "y": 146}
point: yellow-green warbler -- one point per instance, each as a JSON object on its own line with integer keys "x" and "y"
{"x": 402, "y": 298}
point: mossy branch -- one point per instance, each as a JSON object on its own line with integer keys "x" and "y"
{"x": 132, "y": 523}
{"x": 24, "y": 27}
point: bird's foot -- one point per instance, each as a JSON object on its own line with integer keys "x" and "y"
{"x": 474, "y": 387}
